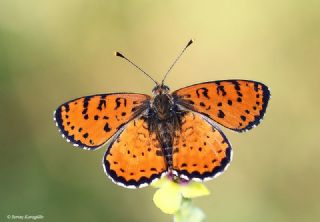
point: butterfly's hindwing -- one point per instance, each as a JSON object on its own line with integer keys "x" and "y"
{"x": 89, "y": 122}
{"x": 236, "y": 104}
{"x": 135, "y": 158}
{"x": 200, "y": 150}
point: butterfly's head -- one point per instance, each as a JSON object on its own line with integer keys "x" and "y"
{"x": 160, "y": 89}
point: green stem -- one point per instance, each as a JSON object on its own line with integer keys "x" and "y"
{"x": 189, "y": 213}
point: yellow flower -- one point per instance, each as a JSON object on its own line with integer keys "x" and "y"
{"x": 170, "y": 194}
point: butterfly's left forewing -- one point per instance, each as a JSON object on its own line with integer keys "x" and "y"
{"x": 236, "y": 104}
{"x": 90, "y": 121}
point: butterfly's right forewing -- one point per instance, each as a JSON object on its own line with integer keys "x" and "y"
{"x": 90, "y": 121}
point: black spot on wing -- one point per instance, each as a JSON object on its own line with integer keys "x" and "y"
{"x": 86, "y": 101}
{"x": 84, "y": 111}
{"x": 106, "y": 128}
{"x": 221, "y": 114}
{"x": 221, "y": 90}
{"x": 190, "y": 102}
{"x": 202, "y": 91}
{"x": 118, "y": 102}
{"x": 102, "y": 104}
{"x": 236, "y": 85}
{"x": 184, "y": 165}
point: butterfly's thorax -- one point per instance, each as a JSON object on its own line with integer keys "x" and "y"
{"x": 163, "y": 106}
{"x": 164, "y": 120}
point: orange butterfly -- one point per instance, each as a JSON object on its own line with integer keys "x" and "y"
{"x": 167, "y": 134}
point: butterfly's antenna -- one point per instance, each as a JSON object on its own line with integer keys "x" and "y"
{"x": 175, "y": 61}
{"x": 122, "y": 56}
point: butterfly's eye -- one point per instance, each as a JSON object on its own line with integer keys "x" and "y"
{"x": 166, "y": 88}
{"x": 160, "y": 89}
{"x": 155, "y": 90}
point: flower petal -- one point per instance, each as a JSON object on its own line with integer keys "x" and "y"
{"x": 168, "y": 198}
{"x": 161, "y": 182}
{"x": 194, "y": 189}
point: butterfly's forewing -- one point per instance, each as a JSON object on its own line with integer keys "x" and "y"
{"x": 236, "y": 104}
{"x": 134, "y": 159}
{"x": 200, "y": 151}
{"x": 90, "y": 121}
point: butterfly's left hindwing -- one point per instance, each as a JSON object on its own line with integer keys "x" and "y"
{"x": 200, "y": 150}
{"x": 135, "y": 159}
{"x": 236, "y": 104}
{"x": 89, "y": 122}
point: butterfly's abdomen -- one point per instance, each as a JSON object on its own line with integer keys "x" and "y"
{"x": 165, "y": 133}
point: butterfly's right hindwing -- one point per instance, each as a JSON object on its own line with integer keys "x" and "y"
{"x": 135, "y": 159}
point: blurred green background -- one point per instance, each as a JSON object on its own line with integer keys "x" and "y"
{"x": 54, "y": 51}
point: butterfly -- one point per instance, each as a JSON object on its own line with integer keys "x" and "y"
{"x": 178, "y": 133}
